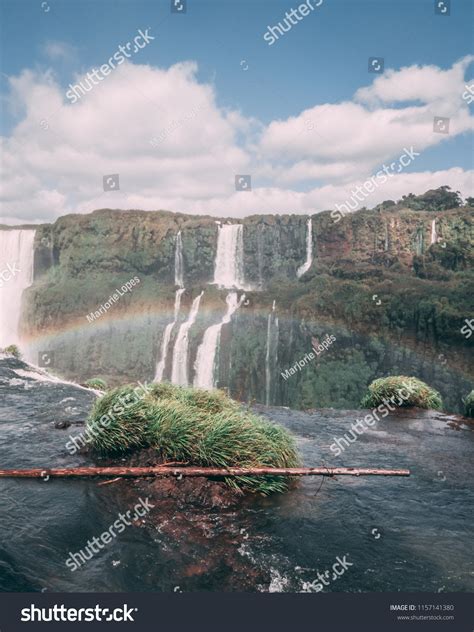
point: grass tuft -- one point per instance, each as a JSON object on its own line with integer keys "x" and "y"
{"x": 197, "y": 427}
{"x": 469, "y": 405}
{"x": 13, "y": 350}
{"x": 96, "y": 383}
{"x": 394, "y": 389}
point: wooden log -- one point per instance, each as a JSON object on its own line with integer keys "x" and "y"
{"x": 164, "y": 470}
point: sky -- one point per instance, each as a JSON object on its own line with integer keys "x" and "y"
{"x": 212, "y": 114}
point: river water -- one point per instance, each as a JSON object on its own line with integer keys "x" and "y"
{"x": 393, "y": 534}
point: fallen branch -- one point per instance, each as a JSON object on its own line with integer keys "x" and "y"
{"x": 164, "y": 470}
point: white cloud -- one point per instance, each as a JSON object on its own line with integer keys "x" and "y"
{"x": 59, "y": 51}
{"x": 175, "y": 148}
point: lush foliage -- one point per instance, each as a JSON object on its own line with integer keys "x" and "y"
{"x": 96, "y": 383}
{"x": 196, "y": 427}
{"x": 435, "y": 200}
{"x": 13, "y": 350}
{"x": 469, "y": 405}
{"x": 397, "y": 387}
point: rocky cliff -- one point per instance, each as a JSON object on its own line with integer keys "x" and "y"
{"x": 392, "y": 286}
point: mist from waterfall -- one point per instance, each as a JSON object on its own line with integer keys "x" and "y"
{"x": 271, "y": 355}
{"x": 178, "y": 262}
{"x": 16, "y": 274}
{"x": 434, "y": 234}
{"x": 309, "y": 250}
{"x": 179, "y": 372}
{"x": 229, "y": 264}
{"x": 208, "y": 350}
{"x": 160, "y": 367}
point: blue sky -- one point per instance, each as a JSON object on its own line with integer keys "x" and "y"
{"x": 322, "y": 59}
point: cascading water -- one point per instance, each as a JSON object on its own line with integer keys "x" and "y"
{"x": 309, "y": 250}
{"x": 209, "y": 347}
{"x": 160, "y": 367}
{"x": 179, "y": 372}
{"x": 229, "y": 265}
{"x": 434, "y": 234}
{"x": 271, "y": 356}
{"x": 179, "y": 281}
{"x": 178, "y": 262}
{"x": 16, "y": 274}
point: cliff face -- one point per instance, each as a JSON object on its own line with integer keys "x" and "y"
{"x": 115, "y": 242}
{"x": 420, "y": 289}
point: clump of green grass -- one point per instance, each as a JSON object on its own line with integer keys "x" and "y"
{"x": 200, "y": 428}
{"x": 469, "y": 405}
{"x": 96, "y": 383}
{"x": 13, "y": 350}
{"x": 401, "y": 390}
{"x": 118, "y": 421}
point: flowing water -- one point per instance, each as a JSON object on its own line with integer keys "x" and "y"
{"x": 208, "y": 350}
{"x": 271, "y": 352}
{"x": 309, "y": 250}
{"x": 16, "y": 274}
{"x": 160, "y": 367}
{"x": 398, "y": 534}
{"x": 178, "y": 262}
{"x": 229, "y": 264}
{"x": 179, "y": 372}
{"x": 434, "y": 234}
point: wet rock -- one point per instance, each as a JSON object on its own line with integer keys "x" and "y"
{"x": 62, "y": 424}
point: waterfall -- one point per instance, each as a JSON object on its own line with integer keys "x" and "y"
{"x": 271, "y": 351}
{"x": 309, "y": 250}
{"x": 160, "y": 367}
{"x": 16, "y": 274}
{"x": 178, "y": 262}
{"x": 179, "y": 281}
{"x": 261, "y": 228}
{"x": 208, "y": 349}
{"x": 229, "y": 265}
{"x": 434, "y": 234}
{"x": 179, "y": 372}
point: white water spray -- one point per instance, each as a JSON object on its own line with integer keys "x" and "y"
{"x": 209, "y": 348}
{"x": 179, "y": 372}
{"x": 271, "y": 351}
{"x": 160, "y": 367}
{"x": 229, "y": 264}
{"x": 16, "y": 274}
{"x": 309, "y": 250}
{"x": 434, "y": 234}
